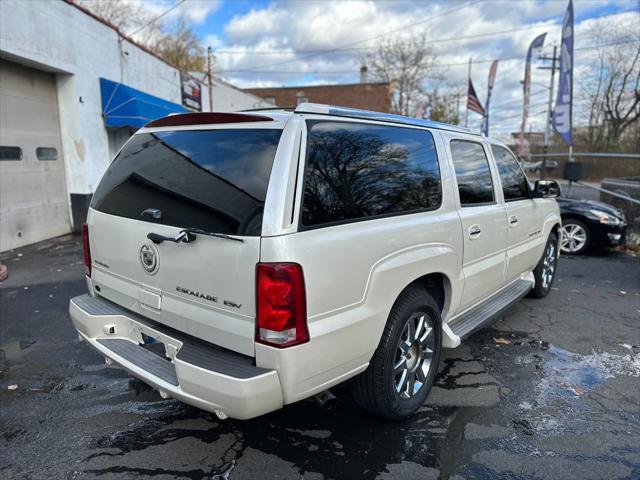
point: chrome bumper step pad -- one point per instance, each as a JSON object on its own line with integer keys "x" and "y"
{"x": 149, "y": 361}
{"x": 193, "y": 351}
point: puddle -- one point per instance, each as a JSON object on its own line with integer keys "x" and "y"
{"x": 15, "y": 350}
{"x": 569, "y": 375}
{"x": 589, "y": 371}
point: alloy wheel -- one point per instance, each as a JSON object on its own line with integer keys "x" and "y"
{"x": 414, "y": 355}
{"x": 574, "y": 238}
{"x": 549, "y": 265}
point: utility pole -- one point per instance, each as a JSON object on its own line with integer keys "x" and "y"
{"x": 210, "y": 79}
{"x": 547, "y": 127}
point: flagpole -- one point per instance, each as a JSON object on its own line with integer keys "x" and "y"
{"x": 466, "y": 112}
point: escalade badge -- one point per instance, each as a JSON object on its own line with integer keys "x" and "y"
{"x": 150, "y": 258}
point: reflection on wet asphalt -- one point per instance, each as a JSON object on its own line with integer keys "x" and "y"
{"x": 551, "y": 390}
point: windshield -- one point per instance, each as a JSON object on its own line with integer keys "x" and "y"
{"x": 215, "y": 180}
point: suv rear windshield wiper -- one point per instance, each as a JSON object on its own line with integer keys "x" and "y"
{"x": 188, "y": 235}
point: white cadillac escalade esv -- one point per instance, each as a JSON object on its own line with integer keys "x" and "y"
{"x": 243, "y": 261}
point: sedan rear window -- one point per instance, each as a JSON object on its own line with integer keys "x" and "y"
{"x": 215, "y": 180}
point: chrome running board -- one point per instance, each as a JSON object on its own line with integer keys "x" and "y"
{"x": 488, "y": 310}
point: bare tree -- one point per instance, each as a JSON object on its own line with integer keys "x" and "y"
{"x": 444, "y": 103}
{"x": 127, "y": 16}
{"x": 407, "y": 64}
{"x": 182, "y": 47}
{"x": 176, "y": 43}
{"x": 610, "y": 93}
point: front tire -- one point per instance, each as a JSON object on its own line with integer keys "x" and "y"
{"x": 576, "y": 237}
{"x": 404, "y": 365}
{"x": 545, "y": 271}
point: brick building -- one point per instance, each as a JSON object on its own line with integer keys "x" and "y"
{"x": 367, "y": 96}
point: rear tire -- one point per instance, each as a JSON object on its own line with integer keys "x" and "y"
{"x": 404, "y": 365}
{"x": 545, "y": 271}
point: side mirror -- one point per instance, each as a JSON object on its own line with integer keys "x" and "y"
{"x": 546, "y": 189}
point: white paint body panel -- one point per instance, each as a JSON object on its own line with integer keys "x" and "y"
{"x": 353, "y": 272}
{"x": 212, "y": 266}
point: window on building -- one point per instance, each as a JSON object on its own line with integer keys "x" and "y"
{"x": 475, "y": 186}
{"x": 301, "y": 98}
{"x": 271, "y": 100}
{"x": 515, "y": 185}
{"x": 10, "y": 153}
{"x": 46, "y": 153}
{"x": 359, "y": 171}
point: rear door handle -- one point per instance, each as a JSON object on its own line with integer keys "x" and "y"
{"x": 474, "y": 231}
{"x": 513, "y": 221}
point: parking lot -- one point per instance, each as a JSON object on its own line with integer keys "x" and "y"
{"x": 550, "y": 390}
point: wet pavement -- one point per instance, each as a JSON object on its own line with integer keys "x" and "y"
{"x": 550, "y": 390}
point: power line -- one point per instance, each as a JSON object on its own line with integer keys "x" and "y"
{"x": 341, "y": 49}
{"x": 513, "y": 103}
{"x": 174, "y": 6}
{"x": 519, "y": 115}
{"x": 441, "y": 65}
{"x": 405, "y": 27}
{"x": 441, "y": 40}
{"x": 503, "y": 111}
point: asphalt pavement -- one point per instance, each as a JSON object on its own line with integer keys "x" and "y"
{"x": 549, "y": 391}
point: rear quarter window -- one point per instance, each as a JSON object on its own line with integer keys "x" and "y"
{"x": 361, "y": 171}
{"x": 215, "y": 180}
{"x": 475, "y": 185}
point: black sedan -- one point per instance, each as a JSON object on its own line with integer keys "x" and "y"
{"x": 587, "y": 223}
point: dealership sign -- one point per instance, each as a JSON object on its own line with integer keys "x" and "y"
{"x": 191, "y": 92}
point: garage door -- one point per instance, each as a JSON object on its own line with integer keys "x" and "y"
{"x": 33, "y": 192}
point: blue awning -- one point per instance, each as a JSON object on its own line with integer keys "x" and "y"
{"x": 124, "y": 106}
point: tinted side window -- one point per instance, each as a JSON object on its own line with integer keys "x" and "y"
{"x": 472, "y": 172}
{"x": 514, "y": 182}
{"x": 210, "y": 179}
{"x": 355, "y": 171}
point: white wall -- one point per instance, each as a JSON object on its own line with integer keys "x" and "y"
{"x": 56, "y": 36}
{"x": 227, "y": 98}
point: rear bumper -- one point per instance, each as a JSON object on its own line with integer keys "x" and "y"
{"x": 195, "y": 372}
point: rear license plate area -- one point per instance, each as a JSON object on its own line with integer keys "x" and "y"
{"x": 154, "y": 346}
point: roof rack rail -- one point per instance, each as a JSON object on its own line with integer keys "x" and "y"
{"x": 268, "y": 109}
{"x": 382, "y": 117}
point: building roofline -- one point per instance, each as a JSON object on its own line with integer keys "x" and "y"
{"x": 319, "y": 86}
{"x": 128, "y": 38}
{"x": 220, "y": 80}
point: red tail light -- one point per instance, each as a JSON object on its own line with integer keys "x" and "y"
{"x": 86, "y": 251}
{"x": 281, "y": 305}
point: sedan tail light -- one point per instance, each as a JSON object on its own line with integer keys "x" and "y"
{"x": 281, "y": 305}
{"x": 86, "y": 251}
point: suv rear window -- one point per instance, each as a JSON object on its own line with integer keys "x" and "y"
{"x": 215, "y": 180}
{"x": 360, "y": 171}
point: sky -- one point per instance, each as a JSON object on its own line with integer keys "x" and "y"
{"x": 306, "y": 42}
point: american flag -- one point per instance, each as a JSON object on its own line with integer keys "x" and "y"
{"x": 473, "y": 103}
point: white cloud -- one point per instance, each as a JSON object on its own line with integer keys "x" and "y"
{"x": 195, "y": 11}
{"x": 213, "y": 41}
{"x": 294, "y": 28}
